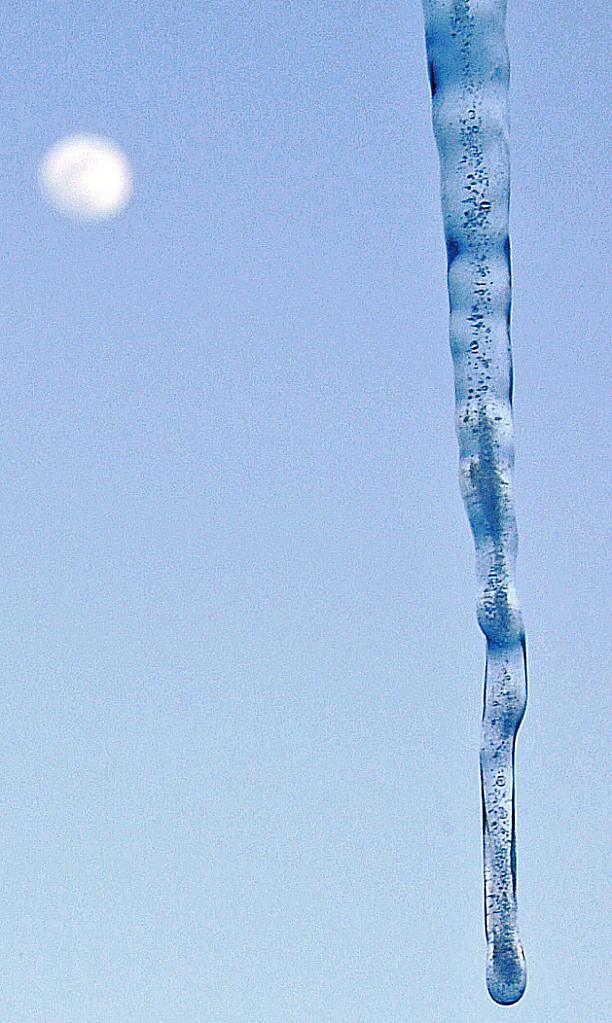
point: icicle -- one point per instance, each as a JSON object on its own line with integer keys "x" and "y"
{"x": 469, "y": 75}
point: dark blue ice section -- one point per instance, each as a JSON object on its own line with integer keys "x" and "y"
{"x": 469, "y": 74}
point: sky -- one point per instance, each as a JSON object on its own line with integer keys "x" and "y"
{"x": 240, "y": 669}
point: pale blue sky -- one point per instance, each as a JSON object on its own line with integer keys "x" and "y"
{"x": 241, "y": 674}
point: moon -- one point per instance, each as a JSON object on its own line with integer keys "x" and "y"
{"x": 86, "y": 177}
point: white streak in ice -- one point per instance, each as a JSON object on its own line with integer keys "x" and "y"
{"x": 469, "y": 74}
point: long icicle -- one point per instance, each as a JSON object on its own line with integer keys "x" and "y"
{"x": 469, "y": 75}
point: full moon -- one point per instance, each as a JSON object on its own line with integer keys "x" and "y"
{"x": 86, "y": 177}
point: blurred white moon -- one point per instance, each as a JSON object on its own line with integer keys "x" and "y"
{"x": 86, "y": 177}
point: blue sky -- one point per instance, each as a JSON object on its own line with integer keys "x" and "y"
{"x": 241, "y": 674}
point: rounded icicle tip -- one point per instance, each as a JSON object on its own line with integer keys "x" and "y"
{"x": 86, "y": 177}
{"x": 506, "y": 972}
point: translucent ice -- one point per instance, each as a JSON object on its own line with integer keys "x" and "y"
{"x": 469, "y": 75}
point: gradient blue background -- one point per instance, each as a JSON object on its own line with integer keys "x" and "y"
{"x": 241, "y": 673}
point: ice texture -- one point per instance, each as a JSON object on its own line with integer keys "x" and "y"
{"x": 469, "y": 74}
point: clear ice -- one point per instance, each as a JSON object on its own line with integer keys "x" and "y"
{"x": 469, "y": 75}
